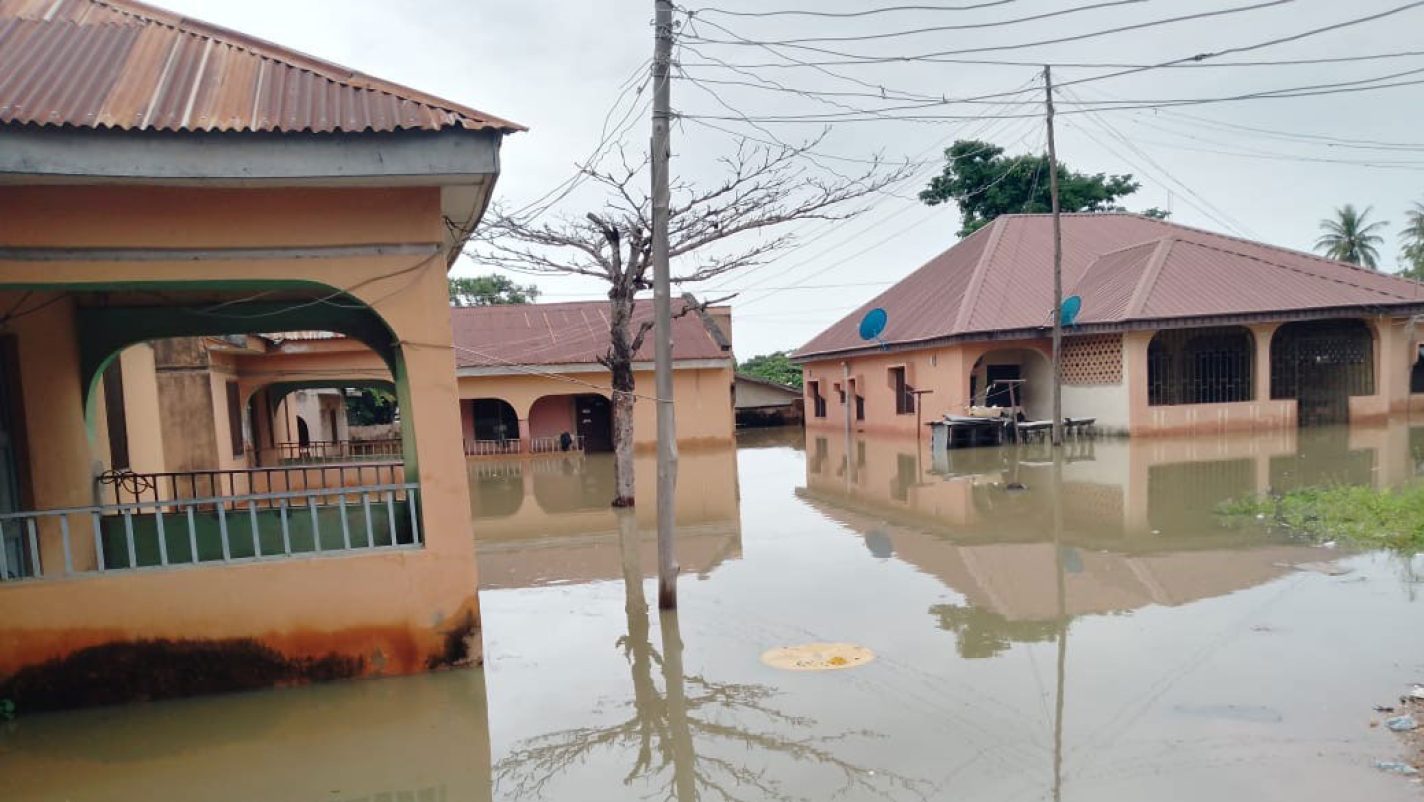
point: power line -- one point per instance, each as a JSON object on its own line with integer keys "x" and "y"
{"x": 1208, "y": 62}
{"x": 1272, "y": 94}
{"x": 846, "y": 14}
{"x": 944, "y": 28}
{"x": 738, "y": 41}
{"x": 827, "y": 268}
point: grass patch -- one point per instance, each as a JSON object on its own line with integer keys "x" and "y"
{"x": 1363, "y": 516}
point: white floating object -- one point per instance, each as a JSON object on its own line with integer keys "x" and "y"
{"x": 818, "y": 657}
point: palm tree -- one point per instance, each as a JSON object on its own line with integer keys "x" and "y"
{"x": 1412, "y": 242}
{"x": 1348, "y": 238}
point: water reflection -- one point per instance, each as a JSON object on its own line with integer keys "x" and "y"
{"x": 693, "y": 737}
{"x": 1104, "y": 642}
{"x": 546, "y": 520}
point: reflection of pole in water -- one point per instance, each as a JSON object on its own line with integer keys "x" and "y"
{"x": 638, "y": 646}
{"x": 684, "y": 758}
{"x": 1062, "y": 622}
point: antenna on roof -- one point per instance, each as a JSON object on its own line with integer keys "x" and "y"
{"x": 1072, "y": 305}
{"x": 873, "y": 325}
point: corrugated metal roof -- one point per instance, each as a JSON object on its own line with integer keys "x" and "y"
{"x": 563, "y": 333}
{"x": 126, "y": 65}
{"x": 1127, "y": 268}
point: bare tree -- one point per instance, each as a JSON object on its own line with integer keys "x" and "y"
{"x": 712, "y": 232}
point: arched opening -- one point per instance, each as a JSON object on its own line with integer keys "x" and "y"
{"x": 582, "y": 422}
{"x": 1321, "y": 363}
{"x": 153, "y": 371}
{"x": 1200, "y": 366}
{"x": 1015, "y": 379}
{"x": 491, "y": 426}
{"x": 303, "y": 432}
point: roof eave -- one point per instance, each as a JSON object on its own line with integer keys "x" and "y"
{"x": 1111, "y": 327}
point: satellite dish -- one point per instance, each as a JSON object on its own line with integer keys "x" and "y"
{"x": 1072, "y": 305}
{"x": 873, "y": 324}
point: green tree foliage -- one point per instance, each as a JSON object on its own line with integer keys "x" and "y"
{"x": 776, "y": 367}
{"x": 490, "y": 290}
{"x": 1156, "y": 214}
{"x": 1412, "y": 241}
{"x": 1351, "y": 237}
{"x": 985, "y": 184}
{"x": 370, "y": 408}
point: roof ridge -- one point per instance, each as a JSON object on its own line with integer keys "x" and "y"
{"x": 976, "y": 277}
{"x": 1149, "y": 277}
{"x": 1315, "y": 257}
{"x": 1293, "y": 269}
{"x": 328, "y": 70}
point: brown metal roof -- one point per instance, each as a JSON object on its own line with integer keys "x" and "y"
{"x": 1126, "y": 268}
{"x": 565, "y": 333}
{"x": 126, "y": 65}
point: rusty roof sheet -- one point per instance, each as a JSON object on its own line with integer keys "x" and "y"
{"x": 126, "y": 65}
{"x": 510, "y": 335}
{"x": 1127, "y": 269}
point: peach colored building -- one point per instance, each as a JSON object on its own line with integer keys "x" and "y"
{"x": 530, "y": 380}
{"x": 170, "y": 179}
{"x": 1181, "y": 330}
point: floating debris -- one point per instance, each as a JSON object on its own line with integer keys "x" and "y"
{"x": 1403, "y": 723}
{"x": 818, "y": 657}
{"x": 1395, "y": 767}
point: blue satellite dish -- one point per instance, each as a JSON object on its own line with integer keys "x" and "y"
{"x": 873, "y": 324}
{"x": 1072, "y": 305}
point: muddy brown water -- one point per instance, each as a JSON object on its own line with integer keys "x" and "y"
{"x": 1109, "y": 641}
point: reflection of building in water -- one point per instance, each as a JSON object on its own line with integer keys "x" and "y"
{"x": 1140, "y": 524}
{"x": 1142, "y": 494}
{"x": 547, "y": 519}
{"x": 343, "y": 742}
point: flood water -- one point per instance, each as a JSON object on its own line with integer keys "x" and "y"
{"x": 1111, "y": 640}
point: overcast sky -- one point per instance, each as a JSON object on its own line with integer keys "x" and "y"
{"x": 558, "y": 67}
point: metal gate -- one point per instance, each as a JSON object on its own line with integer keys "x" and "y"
{"x": 1321, "y": 364}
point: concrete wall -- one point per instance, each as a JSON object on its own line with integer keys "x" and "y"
{"x": 552, "y": 415}
{"x": 392, "y": 612}
{"x": 1118, "y": 407}
{"x": 702, "y": 398}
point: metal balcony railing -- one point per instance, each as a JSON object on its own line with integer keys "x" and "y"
{"x": 174, "y": 533}
{"x": 328, "y": 450}
{"x": 131, "y": 488}
{"x": 485, "y": 448}
{"x": 547, "y": 445}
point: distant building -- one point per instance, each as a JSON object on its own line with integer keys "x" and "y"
{"x": 530, "y": 379}
{"x": 1181, "y": 330}
{"x": 761, "y": 402}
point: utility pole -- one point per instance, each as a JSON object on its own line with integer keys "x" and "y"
{"x": 1057, "y": 266}
{"x": 662, "y": 305}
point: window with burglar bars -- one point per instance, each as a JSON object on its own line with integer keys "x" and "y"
{"x": 818, "y": 401}
{"x": 1416, "y": 375}
{"x": 1322, "y": 357}
{"x": 1200, "y": 366}
{"x": 904, "y": 393}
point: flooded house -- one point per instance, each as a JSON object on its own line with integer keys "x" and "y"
{"x": 1180, "y": 330}
{"x": 530, "y": 378}
{"x": 166, "y": 180}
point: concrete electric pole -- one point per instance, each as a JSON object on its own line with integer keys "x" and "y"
{"x": 1057, "y": 266}
{"x": 662, "y": 306}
